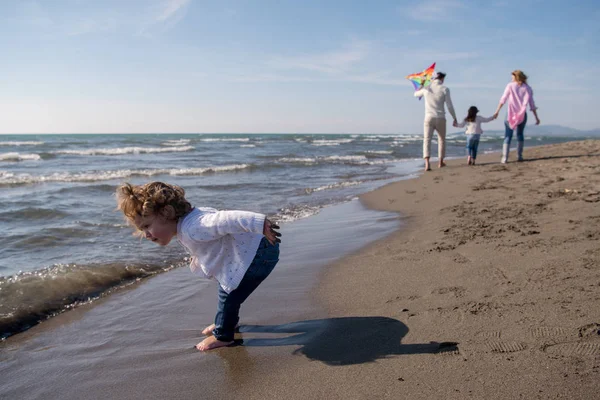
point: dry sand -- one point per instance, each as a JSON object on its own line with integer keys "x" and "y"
{"x": 502, "y": 259}
{"x": 491, "y": 291}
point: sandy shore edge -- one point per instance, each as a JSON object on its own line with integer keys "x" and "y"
{"x": 502, "y": 259}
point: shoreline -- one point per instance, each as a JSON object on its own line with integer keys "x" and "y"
{"x": 502, "y": 259}
{"x": 448, "y": 275}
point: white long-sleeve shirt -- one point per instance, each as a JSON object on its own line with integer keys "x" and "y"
{"x": 222, "y": 243}
{"x": 474, "y": 127}
{"x": 436, "y": 95}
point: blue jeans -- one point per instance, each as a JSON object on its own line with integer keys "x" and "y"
{"x": 473, "y": 144}
{"x": 228, "y": 309}
{"x": 508, "y": 131}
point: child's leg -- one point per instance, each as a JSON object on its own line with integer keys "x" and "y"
{"x": 475, "y": 146}
{"x": 468, "y": 149}
{"x": 228, "y": 309}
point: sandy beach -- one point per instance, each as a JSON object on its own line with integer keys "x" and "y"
{"x": 502, "y": 259}
{"x": 490, "y": 289}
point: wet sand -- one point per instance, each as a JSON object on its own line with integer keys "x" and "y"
{"x": 491, "y": 289}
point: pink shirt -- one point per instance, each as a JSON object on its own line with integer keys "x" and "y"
{"x": 518, "y": 96}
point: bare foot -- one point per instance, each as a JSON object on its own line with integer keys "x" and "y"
{"x": 441, "y": 165}
{"x": 210, "y": 343}
{"x": 208, "y": 330}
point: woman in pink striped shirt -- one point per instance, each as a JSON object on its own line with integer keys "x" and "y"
{"x": 518, "y": 94}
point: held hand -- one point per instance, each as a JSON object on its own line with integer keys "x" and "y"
{"x": 270, "y": 233}
{"x": 455, "y": 124}
{"x": 495, "y": 115}
{"x": 537, "y": 122}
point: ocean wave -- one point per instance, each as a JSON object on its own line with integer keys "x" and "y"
{"x": 336, "y": 185}
{"x": 125, "y": 150}
{"x": 31, "y": 297}
{"x": 293, "y": 213}
{"x": 9, "y": 179}
{"x": 225, "y": 140}
{"x": 297, "y": 160}
{"x": 31, "y": 213}
{"x": 330, "y": 142}
{"x": 349, "y": 160}
{"x": 176, "y": 142}
{"x": 379, "y": 152}
{"x": 21, "y": 143}
{"x": 19, "y": 157}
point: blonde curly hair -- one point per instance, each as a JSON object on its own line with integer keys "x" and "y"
{"x": 151, "y": 199}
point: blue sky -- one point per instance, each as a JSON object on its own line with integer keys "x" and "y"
{"x": 119, "y": 66}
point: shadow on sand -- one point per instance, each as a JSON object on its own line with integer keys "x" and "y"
{"x": 344, "y": 341}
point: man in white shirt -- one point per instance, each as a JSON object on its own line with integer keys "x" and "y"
{"x": 436, "y": 95}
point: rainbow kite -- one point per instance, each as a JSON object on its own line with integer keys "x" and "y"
{"x": 422, "y": 78}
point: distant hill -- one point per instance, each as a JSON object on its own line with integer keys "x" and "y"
{"x": 550, "y": 130}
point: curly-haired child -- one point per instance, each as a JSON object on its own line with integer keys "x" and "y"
{"x": 238, "y": 249}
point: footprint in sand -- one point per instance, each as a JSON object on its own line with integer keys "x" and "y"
{"x": 456, "y": 290}
{"x": 587, "y": 345}
{"x": 460, "y": 259}
{"x": 505, "y": 347}
{"x": 544, "y": 332}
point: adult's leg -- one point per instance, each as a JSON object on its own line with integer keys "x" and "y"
{"x": 440, "y": 127}
{"x": 428, "y": 127}
{"x": 521, "y": 138}
{"x": 508, "y": 134}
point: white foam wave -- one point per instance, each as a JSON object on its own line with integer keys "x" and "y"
{"x": 336, "y": 185}
{"x": 327, "y": 142}
{"x": 124, "y": 150}
{"x": 380, "y": 151}
{"x": 95, "y": 176}
{"x": 345, "y": 158}
{"x": 296, "y": 213}
{"x": 297, "y": 160}
{"x": 225, "y": 140}
{"x": 178, "y": 142}
{"x": 248, "y": 145}
{"x": 358, "y": 160}
{"x": 19, "y": 157}
{"x": 17, "y": 143}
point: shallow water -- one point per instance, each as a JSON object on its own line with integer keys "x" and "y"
{"x": 64, "y": 244}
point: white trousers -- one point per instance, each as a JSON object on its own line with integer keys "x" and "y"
{"x": 439, "y": 125}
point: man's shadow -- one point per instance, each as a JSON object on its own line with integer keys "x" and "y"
{"x": 344, "y": 341}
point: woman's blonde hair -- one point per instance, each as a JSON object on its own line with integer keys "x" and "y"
{"x": 520, "y": 77}
{"x": 151, "y": 199}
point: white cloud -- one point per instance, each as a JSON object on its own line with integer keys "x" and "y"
{"x": 163, "y": 16}
{"x": 170, "y": 8}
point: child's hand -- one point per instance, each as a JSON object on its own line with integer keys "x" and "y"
{"x": 270, "y": 233}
